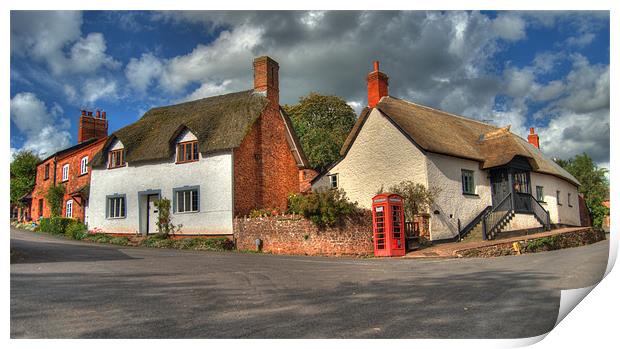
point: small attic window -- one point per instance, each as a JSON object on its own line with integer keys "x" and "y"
{"x": 187, "y": 152}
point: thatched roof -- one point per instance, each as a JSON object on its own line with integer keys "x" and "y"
{"x": 219, "y": 123}
{"x": 439, "y": 132}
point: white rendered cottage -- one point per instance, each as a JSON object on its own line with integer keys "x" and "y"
{"x": 214, "y": 158}
{"x": 481, "y": 170}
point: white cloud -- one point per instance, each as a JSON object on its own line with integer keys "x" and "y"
{"x": 43, "y": 36}
{"x": 143, "y": 71}
{"x": 509, "y": 27}
{"x": 99, "y": 89}
{"x": 208, "y": 89}
{"x": 46, "y": 131}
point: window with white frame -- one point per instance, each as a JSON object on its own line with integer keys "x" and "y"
{"x": 116, "y": 206}
{"x": 84, "y": 165}
{"x": 69, "y": 209}
{"x": 65, "y": 172}
{"x": 333, "y": 181}
{"x": 186, "y": 200}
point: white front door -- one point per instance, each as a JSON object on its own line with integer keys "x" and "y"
{"x": 152, "y": 214}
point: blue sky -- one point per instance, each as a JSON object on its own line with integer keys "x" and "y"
{"x": 549, "y": 70}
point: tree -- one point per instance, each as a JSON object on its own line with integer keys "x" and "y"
{"x": 417, "y": 197}
{"x": 23, "y": 171}
{"x": 322, "y": 124}
{"x": 594, "y": 184}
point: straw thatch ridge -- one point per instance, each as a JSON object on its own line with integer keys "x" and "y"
{"x": 440, "y": 132}
{"x": 219, "y": 123}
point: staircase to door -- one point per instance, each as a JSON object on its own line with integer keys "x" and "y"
{"x": 493, "y": 220}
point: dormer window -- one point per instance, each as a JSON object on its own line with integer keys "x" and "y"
{"x": 187, "y": 152}
{"x": 116, "y": 158}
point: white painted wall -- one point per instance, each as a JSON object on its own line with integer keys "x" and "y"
{"x": 213, "y": 173}
{"x": 522, "y": 221}
{"x": 563, "y": 213}
{"x": 380, "y": 156}
{"x": 444, "y": 172}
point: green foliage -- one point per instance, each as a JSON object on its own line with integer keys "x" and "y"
{"x": 418, "y": 199}
{"x": 594, "y": 184}
{"x": 54, "y": 197}
{"x": 55, "y": 225}
{"x": 324, "y": 207}
{"x": 76, "y": 230}
{"x": 542, "y": 244}
{"x": 322, "y": 124}
{"x": 108, "y": 239}
{"x": 23, "y": 171}
{"x": 164, "y": 220}
{"x": 204, "y": 244}
{"x": 263, "y": 212}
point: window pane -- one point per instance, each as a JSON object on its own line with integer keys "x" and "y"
{"x": 186, "y": 197}
{"x": 194, "y": 200}
{"x": 195, "y": 150}
{"x": 180, "y": 202}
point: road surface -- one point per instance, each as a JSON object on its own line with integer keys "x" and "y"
{"x": 72, "y": 289}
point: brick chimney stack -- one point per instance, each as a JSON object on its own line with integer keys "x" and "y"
{"x": 533, "y": 139}
{"x": 377, "y": 85}
{"x": 266, "y": 79}
{"x": 92, "y": 126}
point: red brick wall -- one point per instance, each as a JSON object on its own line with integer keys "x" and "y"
{"x": 74, "y": 182}
{"x": 92, "y": 127}
{"x": 293, "y": 234}
{"x": 279, "y": 170}
{"x": 40, "y": 189}
{"x": 305, "y": 177}
{"x": 264, "y": 166}
{"x": 246, "y": 174}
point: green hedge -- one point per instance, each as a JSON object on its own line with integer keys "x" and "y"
{"x": 55, "y": 225}
{"x": 205, "y": 244}
{"x": 76, "y": 230}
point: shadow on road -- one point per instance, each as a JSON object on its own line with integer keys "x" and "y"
{"x": 475, "y": 304}
{"x": 42, "y": 252}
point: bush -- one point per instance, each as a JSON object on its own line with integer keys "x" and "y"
{"x": 204, "y": 244}
{"x": 55, "y": 225}
{"x": 76, "y": 230}
{"x": 324, "y": 207}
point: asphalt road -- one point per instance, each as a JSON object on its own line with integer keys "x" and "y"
{"x": 70, "y": 289}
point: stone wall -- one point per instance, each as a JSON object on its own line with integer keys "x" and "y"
{"x": 293, "y": 234}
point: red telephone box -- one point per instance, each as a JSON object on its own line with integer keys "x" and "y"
{"x": 388, "y": 224}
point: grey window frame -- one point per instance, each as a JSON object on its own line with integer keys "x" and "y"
{"x": 464, "y": 188}
{"x": 568, "y": 200}
{"x": 183, "y": 189}
{"x": 107, "y": 205}
{"x": 558, "y": 195}
{"x": 540, "y": 198}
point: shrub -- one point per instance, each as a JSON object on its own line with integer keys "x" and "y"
{"x": 263, "y": 212}
{"x": 76, "y": 230}
{"x": 54, "y": 197}
{"x": 324, "y": 207}
{"x": 164, "y": 220}
{"x": 417, "y": 198}
{"x": 55, "y": 225}
{"x": 208, "y": 244}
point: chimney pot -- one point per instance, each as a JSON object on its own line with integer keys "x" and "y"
{"x": 377, "y": 85}
{"x": 533, "y": 138}
{"x": 98, "y": 113}
{"x": 103, "y": 115}
{"x": 90, "y": 113}
{"x": 83, "y": 112}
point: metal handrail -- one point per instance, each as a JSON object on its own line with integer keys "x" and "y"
{"x": 495, "y": 217}
{"x": 540, "y": 213}
{"x": 474, "y": 221}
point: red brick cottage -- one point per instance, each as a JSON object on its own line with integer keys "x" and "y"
{"x": 71, "y": 168}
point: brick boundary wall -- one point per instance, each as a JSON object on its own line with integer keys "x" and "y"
{"x": 293, "y": 234}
